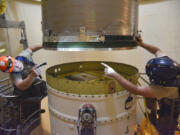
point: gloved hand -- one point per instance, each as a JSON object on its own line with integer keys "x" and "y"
{"x": 36, "y": 71}
{"x": 108, "y": 70}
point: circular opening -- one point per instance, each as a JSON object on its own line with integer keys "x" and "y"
{"x": 87, "y": 78}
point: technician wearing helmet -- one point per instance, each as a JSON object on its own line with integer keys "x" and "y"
{"x": 156, "y": 69}
{"x": 163, "y": 74}
{"x": 23, "y": 71}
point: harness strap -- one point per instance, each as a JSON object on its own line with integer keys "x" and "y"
{"x": 25, "y": 60}
{"x": 168, "y": 83}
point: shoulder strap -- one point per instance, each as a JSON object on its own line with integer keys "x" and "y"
{"x": 25, "y": 60}
{"x": 169, "y": 83}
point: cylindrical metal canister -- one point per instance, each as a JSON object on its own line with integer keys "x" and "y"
{"x": 101, "y": 24}
{"x": 72, "y": 87}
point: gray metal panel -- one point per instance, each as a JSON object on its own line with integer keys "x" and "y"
{"x": 88, "y": 20}
{"x": 112, "y": 17}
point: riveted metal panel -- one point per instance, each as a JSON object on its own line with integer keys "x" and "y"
{"x": 103, "y": 23}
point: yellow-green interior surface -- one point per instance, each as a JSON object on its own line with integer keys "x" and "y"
{"x": 87, "y": 78}
{"x": 150, "y": 1}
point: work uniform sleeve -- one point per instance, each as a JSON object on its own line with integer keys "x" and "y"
{"x": 164, "y": 92}
{"x": 18, "y": 76}
{"x": 27, "y": 53}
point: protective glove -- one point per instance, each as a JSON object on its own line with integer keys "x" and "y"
{"x": 139, "y": 40}
{"x": 37, "y": 70}
{"x": 108, "y": 70}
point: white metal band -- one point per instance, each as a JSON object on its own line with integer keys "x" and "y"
{"x": 86, "y": 97}
{"x": 100, "y": 121}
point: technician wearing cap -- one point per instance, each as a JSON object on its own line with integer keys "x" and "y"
{"x": 164, "y": 76}
{"x": 23, "y": 71}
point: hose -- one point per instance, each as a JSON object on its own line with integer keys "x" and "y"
{"x": 2, "y": 7}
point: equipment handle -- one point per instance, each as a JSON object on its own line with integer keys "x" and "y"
{"x": 43, "y": 64}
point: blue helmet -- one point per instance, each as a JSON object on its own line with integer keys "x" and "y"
{"x": 162, "y": 71}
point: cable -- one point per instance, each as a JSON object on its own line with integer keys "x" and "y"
{"x": 140, "y": 107}
{"x": 140, "y": 76}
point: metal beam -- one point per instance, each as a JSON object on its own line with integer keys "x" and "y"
{"x": 11, "y": 24}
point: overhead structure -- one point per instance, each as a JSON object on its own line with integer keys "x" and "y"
{"x": 89, "y": 25}
{"x": 17, "y": 25}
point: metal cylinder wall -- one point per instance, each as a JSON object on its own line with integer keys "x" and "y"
{"x": 68, "y": 92}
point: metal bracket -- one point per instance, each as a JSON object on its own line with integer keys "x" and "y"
{"x": 14, "y": 24}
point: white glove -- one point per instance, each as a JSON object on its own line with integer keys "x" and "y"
{"x": 108, "y": 70}
{"x": 37, "y": 71}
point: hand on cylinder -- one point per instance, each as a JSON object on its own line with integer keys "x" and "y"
{"x": 139, "y": 40}
{"x": 108, "y": 70}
